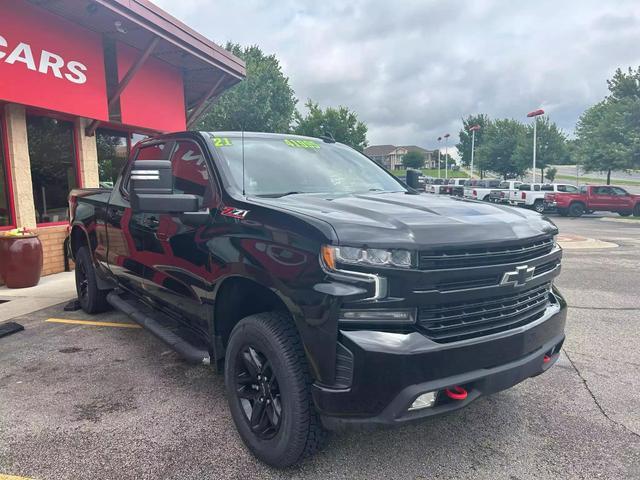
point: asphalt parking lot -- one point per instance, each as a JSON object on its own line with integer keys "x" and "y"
{"x": 84, "y": 402}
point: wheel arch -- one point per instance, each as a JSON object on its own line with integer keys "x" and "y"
{"x": 78, "y": 237}
{"x": 237, "y": 297}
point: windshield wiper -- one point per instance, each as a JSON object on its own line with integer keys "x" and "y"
{"x": 278, "y": 195}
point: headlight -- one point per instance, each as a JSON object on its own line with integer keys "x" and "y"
{"x": 366, "y": 256}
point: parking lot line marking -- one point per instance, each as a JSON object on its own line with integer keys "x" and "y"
{"x": 12, "y": 477}
{"x": 92, "y": 323}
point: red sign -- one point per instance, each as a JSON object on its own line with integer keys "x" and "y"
{"x": 154, "y": 98}
{"x": 50, "y": 63}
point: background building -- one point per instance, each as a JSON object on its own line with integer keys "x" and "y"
{"x": 391, "y": 156}
{"x": 81, "y": 81}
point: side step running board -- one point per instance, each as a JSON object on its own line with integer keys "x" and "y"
{"x": 191, "y": 353}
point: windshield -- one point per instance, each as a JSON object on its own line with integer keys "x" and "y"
{"x": 292, "y": 165}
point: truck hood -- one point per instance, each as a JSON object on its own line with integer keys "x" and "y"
{"x": 413, "y": 221}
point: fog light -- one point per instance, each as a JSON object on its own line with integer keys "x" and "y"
{"x": 425, "y": 400}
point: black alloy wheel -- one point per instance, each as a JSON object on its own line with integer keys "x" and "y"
{"x": 258, "y": 391}
{"x": 268, "y": 386}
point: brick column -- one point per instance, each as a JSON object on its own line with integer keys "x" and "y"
{"x": 19, "y": 165}
{"x": 88, "y": 155}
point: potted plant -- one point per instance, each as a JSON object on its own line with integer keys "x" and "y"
{"x": 20, "y": 258}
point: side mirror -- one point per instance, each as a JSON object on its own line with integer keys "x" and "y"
{"x": 413, "y": 179}
{"x": 151, "y": 189}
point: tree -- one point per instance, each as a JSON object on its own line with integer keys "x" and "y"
{"x": 551, "y": 174}
{"x": 551, "y": 146}
{"x": 607, "y": 137}
{"x": 498, "y": 152}
{"x": 464, "y": 146}
{"x": 340, "y": 122}
{"x": 413, "y": 160}
{"x": 608, "y": 133}
{"x": 263, "y": 102}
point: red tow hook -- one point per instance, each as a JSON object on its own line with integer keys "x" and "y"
{"x": 456, "y": 393}
{"x": 546, "y": 359}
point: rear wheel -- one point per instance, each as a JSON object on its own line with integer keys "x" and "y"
{"x": 91, "y": 298}
{"x": 268, "y": 390}
{"x": 538, "y": 206}
{"x": 636, "y": 210}
{"x": 576, "y": 209}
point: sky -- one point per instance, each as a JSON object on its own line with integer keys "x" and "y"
{"x": 412, "y": 69}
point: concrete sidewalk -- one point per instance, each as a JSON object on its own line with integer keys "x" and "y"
{"x": 51, "y": 290}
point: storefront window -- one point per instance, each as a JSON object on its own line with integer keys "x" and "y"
{"x": 113, "y": 150}
{"x": 53, "y": 166}
{"x": 5, "y": 207}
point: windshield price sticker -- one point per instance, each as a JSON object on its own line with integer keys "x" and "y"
{"x": 221, "y": 142}
{"x": 302, "y": 143}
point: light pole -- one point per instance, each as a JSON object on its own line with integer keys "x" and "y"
{"x": 473, "y": 131}
{"x": 439, "y": 140}
{"x": 535, "y": 114}
{"x": 446, "y": 155}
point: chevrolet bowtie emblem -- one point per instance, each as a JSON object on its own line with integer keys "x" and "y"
{"x": 519, "y": 277}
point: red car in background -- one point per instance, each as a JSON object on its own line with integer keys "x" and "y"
{"x": 592, "y": 198}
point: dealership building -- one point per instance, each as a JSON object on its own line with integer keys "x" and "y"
{"x": 81, "y": 81}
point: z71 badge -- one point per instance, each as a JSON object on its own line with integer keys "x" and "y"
{"x": 234, "y": 212}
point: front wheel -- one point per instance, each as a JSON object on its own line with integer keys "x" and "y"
{"x": 636, "y": 210}
{"x": 268, "y": 390}
{"x": 538, "y": 206}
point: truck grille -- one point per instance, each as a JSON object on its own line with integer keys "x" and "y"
{"x": 459, "y": 321}
{"x": 480, "y": 257}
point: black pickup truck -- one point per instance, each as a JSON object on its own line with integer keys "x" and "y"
{"x": 328, "y": 292}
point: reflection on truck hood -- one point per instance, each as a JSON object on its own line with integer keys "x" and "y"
{"x": 410, "y": 221}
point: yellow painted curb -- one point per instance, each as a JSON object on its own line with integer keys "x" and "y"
{"x": 13, "y": 477}
{"x": 94, "y": 324}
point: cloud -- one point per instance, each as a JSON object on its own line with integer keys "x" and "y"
{"x": 412, "y": 69}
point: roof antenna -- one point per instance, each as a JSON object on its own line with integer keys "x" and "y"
{"x": 328, "y": 137}
{"x": 243, "y": 190}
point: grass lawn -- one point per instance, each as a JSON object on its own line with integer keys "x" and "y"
{"x": 597, "y": 180}
{"x": 433, "y": 172}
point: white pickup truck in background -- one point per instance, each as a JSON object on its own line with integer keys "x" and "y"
{"x": 503, "y": 192}
{"x": 531, "y": 195}
{"x": 480, "y": 189}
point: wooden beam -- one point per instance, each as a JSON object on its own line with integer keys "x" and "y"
{"x": 133, "y": 70}
{"x": 202, "y": 104}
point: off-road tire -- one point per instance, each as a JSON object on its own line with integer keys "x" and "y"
{"x": 300, "y": 433}
{"x": 91, "y": 298}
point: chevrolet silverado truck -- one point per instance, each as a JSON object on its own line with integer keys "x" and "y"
{"x": 328, "y": 293}
{"x": 594, "y": 198}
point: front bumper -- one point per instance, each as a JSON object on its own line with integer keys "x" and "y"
{"x": 391, "y": 369}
